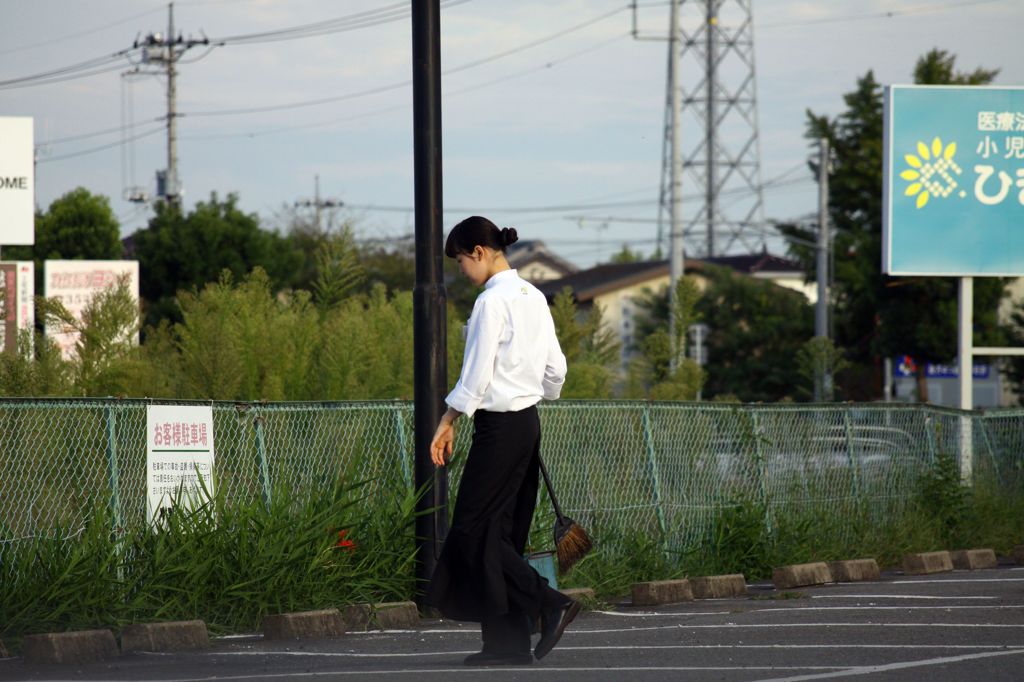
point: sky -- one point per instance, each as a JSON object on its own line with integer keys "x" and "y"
{"x": 553, "y": 113}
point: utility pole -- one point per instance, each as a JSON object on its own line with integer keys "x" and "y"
{"x": 318, "y": 204}
{"x": 710, "y": 122}
{"x": 164, "y": 51}
{"x": 677, "y": 255}
{"x": 173, "y": 189}
{"x": 823, "y": 382}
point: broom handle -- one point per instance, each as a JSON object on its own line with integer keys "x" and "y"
{"x": 551, "y": 489}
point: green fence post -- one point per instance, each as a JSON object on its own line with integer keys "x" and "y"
{"x": 759, "y": 460}
{"x": 403, "y": 458}
{"x": 112, "y": 467}
{"x": 932, "y": 437}
{"x": 652, "y": 465}
{"x": 854, "y": 485}
{"x": 991, "y": 451}
{"x": 261, "y": 456}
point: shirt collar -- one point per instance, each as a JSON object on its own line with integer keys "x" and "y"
{"x": 500, "y": 276}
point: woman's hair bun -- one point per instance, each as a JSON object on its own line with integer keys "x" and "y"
{"x": 509, "y": 236}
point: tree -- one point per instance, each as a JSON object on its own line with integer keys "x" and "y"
{"x": 76, "y": 226}
{"x": 755, "y": 329}
{"x": 662, "y": 371}
{"x": 338, "y": 270}
{"x": 876, "y": 315}
{"x": 590, "y": 348}
{"x": 183, "y": 252}
{"x": 626, "y": 256}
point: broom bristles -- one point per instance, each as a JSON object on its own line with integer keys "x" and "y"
{"x": 572, "y": 547}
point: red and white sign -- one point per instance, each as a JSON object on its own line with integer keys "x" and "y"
{"x": 75, "y": 282}
{"x": 17, "y": 302}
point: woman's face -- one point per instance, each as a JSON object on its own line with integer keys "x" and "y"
{"x": 475, "y": 266}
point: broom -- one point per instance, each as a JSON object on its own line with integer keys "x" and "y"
{"x": 571, "y": 542}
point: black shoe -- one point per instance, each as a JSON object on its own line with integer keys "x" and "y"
{"x": 552, "y": 625}
{"x": 488, "y": 658}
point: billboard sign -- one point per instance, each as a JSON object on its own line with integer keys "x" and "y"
{"x": 17, "y": 181}
{"x": 75, "y": 282}
{"x": 179, "y": 452}
{"x": 17, "y": 302}
{"x": 906, "y": 366}
{"x": 953, "y": 187}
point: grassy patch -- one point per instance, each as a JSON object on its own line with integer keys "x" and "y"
{"x": 228, "y": 564}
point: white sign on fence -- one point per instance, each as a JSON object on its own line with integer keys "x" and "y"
{"x": 75, "y": 282}
{"x": 17, "y": 181}
{"x": 179, "y": 450}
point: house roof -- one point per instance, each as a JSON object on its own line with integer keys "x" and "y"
{"x": 756, "y": 262}
{"x": 525, "y": 252}
{"x": 590, "y": 283}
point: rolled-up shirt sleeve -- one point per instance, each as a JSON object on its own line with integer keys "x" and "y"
{"x": 483, "y": 333}
{"x": 555, "y": 369}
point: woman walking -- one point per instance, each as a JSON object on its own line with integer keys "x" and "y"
{"x": 512, "y": 361}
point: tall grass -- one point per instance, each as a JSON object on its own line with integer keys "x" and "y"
{"x": 228, "y": 564}
{"x": 751, "y": 537}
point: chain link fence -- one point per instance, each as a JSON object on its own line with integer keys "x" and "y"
{"x": 620, "y": 467}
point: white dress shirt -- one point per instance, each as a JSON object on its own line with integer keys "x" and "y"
{"x": 512, "y": 357}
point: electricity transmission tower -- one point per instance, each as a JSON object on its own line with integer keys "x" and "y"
{"x": 716, "y": 124}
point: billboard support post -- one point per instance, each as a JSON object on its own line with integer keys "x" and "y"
{"x": 965, "y": 361}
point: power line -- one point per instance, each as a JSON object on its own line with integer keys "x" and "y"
{"x": 83, "y": 69}
{"x": 477, "y": 86}
{"x": 521, "y": 209}
{"x": 109, "y": 145}
{"x": 70, "y": 36}
{"x": 779, "y": 180}
{"x": 403, "y": 84}
{"x": 540, "y": 41}
{"x": 95, "y": 133}
{"x": 888, "y": 14}
{"x": 351, "y": 22}
{"x": 90, "y": 67}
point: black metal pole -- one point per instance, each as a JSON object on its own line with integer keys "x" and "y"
{"x": 429, "y": 296}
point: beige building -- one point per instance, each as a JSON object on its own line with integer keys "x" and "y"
{"x": 536, "y": 263}
{"x": 615, "y": 287}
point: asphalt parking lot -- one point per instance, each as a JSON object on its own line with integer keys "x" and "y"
{"x": 951, "y": 626}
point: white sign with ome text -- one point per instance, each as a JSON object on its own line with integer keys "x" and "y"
{"x": 17, "y": 181}
{"x": 179, "y": 452}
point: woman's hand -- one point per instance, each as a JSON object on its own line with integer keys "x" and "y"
{"x": 444, "y": 438}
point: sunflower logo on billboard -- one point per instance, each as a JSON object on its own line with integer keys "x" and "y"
{"x": 932, "y": 172}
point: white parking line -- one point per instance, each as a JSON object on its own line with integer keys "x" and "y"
{"x": 644, "y": 614}
{"x": 893, "y": 596}
{"x": 869, "y": 670}
{"x": 638, "y": 647}
{"x": 728, "y": 626}
{"x": 478, "y": 671}
{"x": 958, "y": 607}
{"x": 956, "y": 580}
{"x": 796, "y": 609}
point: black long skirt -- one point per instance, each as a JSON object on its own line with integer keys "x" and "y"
{"x": 481, "y": 574}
